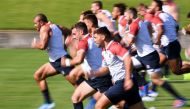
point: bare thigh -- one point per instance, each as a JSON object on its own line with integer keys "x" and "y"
{"x": 83, "y": 91}
{"x": 45, "y": 71}
{"x": 103, "y": 102}
{"x": 76, "y": 73}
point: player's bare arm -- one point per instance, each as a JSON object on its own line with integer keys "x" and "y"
{"x": 44, "y": 36}
{"x": 100, "y": 72}
{"x": 159, "y": 35}
{"x": 78, "y": 59}
{"x": 128, "y": 69}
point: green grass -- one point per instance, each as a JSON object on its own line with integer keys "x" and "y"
{"x": 18, "y": 90}
{"x": 18, "y": 14}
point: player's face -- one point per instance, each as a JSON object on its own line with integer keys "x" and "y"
{"x": 141, "y": 10}
{"x": 152, "y": 7}
{"x": 88, "y": 24}
{"x": 94, "y": 8}
{"x": 98, "y": 40}
{"x": 74, "y": 33}
{"x": 37, "y": 23}
{"x": 115, "y": 13}
{"x": 127, "y": 15}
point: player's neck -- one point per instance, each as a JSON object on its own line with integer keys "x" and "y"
{"x": 107, "y": 43}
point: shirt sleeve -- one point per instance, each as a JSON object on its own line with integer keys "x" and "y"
{"x": 133, "y": 29}
{"x": 120, "y": 51}
{"x": 157, "y": 21}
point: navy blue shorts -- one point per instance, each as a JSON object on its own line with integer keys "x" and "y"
{"x": 150, "y": 61}
{"x": 63, "y": 70}
{"x": 101, "y": 84}
{"x": 172, "y": 50}
{"x": 116, "y": 93}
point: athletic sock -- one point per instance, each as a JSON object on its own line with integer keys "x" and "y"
{"x": 78, "y": 105}
{"x": 170, "y": 89}
{"x": 46, "y": 95}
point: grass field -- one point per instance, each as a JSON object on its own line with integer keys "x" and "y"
{"x": 18, "y": 90}
{"x": 18, "y": 14}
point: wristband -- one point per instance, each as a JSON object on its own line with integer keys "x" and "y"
{"x": 67, "y": 62}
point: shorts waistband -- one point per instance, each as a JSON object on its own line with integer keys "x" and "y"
{"x": 119, "y": 81}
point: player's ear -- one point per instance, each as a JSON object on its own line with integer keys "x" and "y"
{"x": 103, "y": 37}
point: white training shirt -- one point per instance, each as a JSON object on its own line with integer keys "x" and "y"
{"x": 143, "y": 43}
{"x": 55, "y": 46}
{"x": 169, "y": 25}
{"x": 93, "y": 53}
{"x": 122, "y": 25}
{"x": 113, "y": 56}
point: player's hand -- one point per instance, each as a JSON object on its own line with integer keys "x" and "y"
{"x": 33, "y": 43}
{"x": 63, "y": 62}
{"x": 128, "y": 84}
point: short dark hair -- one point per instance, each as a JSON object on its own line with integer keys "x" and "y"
{"x": 104, "y": 31}
{"x": 133, "y": 11}
{"x": 92, "y": 18}
{"x": 99, "y": 3}
{"x": 42, "y": 17}
{"x": 159, "y": 4}
{"x": 188, "y": 15}
{"x": 86, "y": 12}
{"x": 66, "y": 31}
{"x": 121, "y": 7}
{"x": 82, "y": 26}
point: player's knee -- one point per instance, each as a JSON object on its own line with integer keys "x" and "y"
{"x": 72, "y": 75}
{"x": 36, "y": 76}
{"x": 75, "y": 99}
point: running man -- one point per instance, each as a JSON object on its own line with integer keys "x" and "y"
{"x": 89, "y": 57}
{"x": 117, "y": 60}
{"x": 170, "y": 46}
{"x": 50, "y": 40}
{"x": 118, "y": 15}
{"x": 147, "y": 55}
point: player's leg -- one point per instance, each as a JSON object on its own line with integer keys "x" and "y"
{"x": 156, "y": 79}
{"x": 153, "y": 69}
{"x": 81, "y": 92}
{"x": 40, "y": 76}
{"x": 174, "y": 59}
{"x": 103, "y": 102}
{"x": 163, "y": 58}
{"x": 74, "y": 75}
{"x": 116, "y": 93}
{"x": 175, "y": 65}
